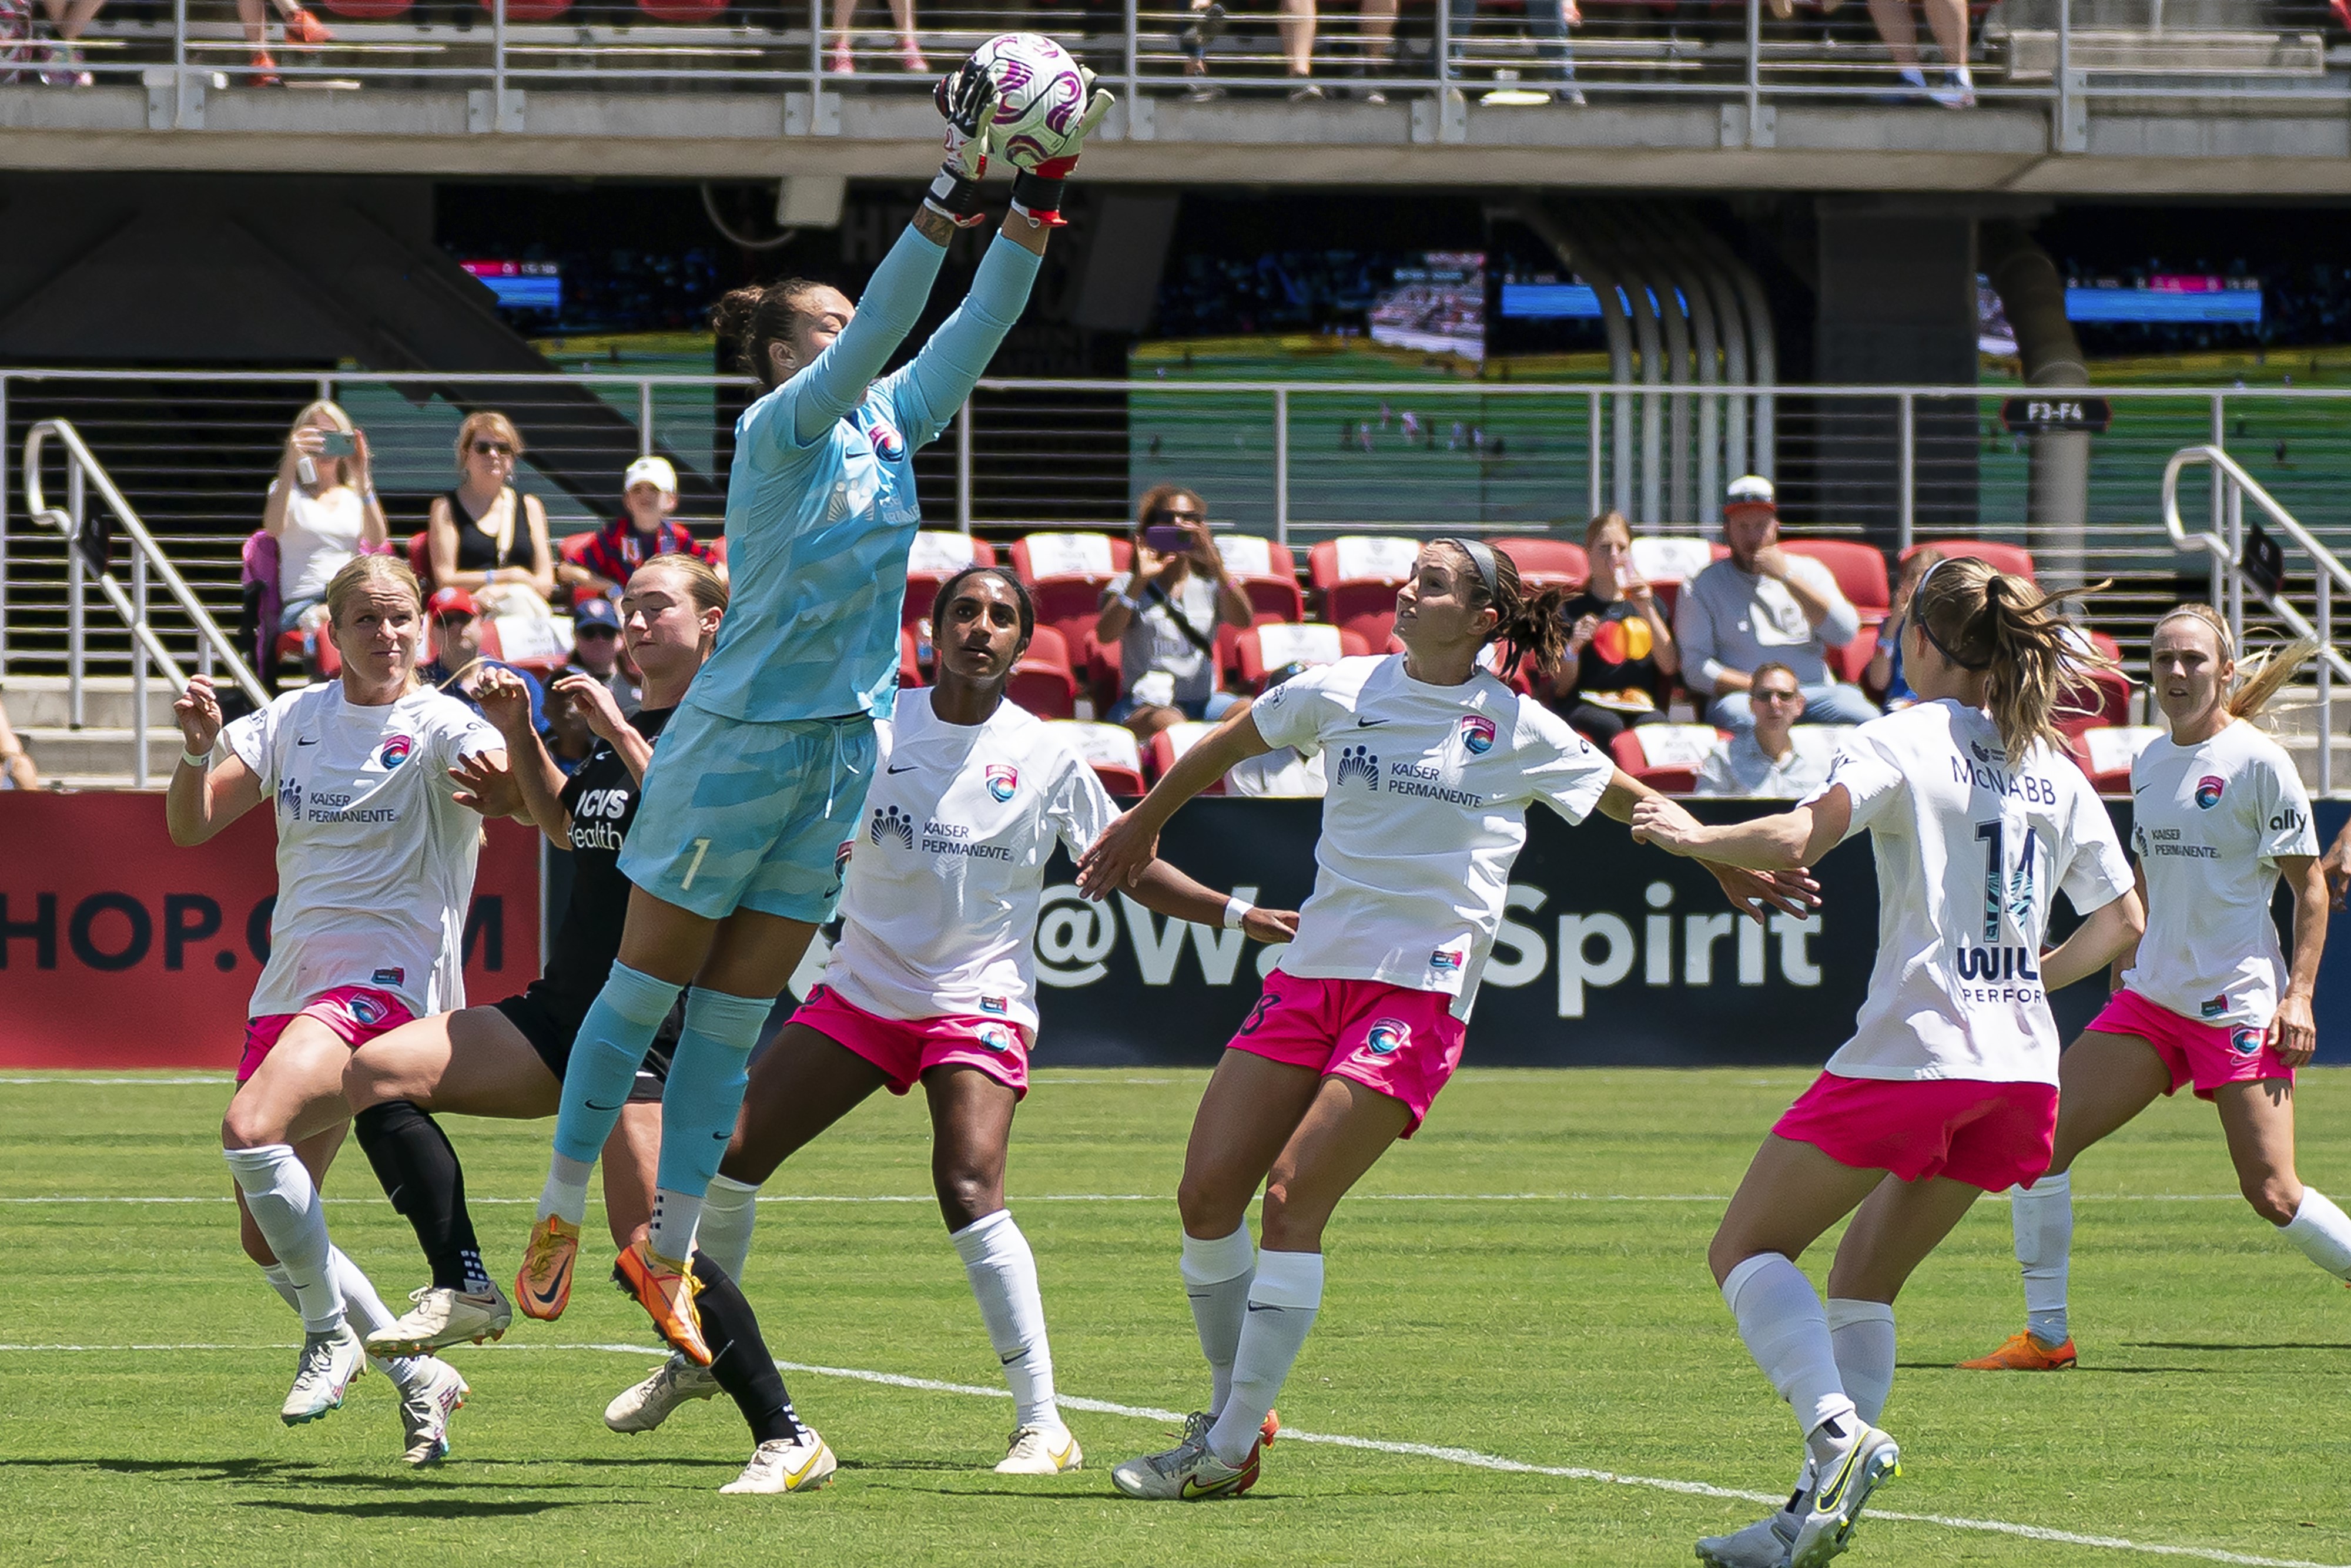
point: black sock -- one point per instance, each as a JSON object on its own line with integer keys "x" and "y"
{"x": 739, "y": 1357}
{"x": 420, "y": 1174}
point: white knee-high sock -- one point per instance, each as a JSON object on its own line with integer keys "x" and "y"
{"x": 284, "y": 1203}
{"x": 1003, "y": 1275}
{"x": 1786, "y": 1330}
{"x": 2323, "y": 1232}
{"x": 278, "y": 1282}
{"x": 2043, "y": 1219}
{"x": 676, "y": 1217}
{"x": 1862, "y": 1334}
{"x": 1217, "y": 1275}
{"x": 729, "y": 1209}
{"x": 1283, "y": 1299}
{"x": 367, "y": 1313}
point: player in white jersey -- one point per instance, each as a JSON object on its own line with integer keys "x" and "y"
{"x": 1948, "y": 1088}
{"x": 1432, "y": 763}
{"x": 2210, "y": 999}
{"x": 375, "y": 871}
{"x": 931, "y": 982}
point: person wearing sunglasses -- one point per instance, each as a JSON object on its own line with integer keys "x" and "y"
{"x": 1764, "y": 764}
{"x": 485, "y": 534}
{"x": 453, "y": 638}
{"x": 1163, "y": 616}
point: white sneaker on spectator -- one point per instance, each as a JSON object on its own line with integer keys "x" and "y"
{"x": 1958, "y": 90}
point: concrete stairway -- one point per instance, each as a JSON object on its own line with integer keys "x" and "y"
{"x": 100, "y": 755}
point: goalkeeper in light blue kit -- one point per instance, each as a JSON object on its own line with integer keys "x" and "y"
{"x": 762, "y": 775}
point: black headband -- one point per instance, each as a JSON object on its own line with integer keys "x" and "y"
{"x": 1481, "y": 556}
{"x": 1918, "y": 619}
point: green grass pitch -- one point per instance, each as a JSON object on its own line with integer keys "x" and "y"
{"x": 1523, "y": 1281}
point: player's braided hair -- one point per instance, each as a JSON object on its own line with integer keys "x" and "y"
{"x": 1003, "y": 574}
{"x": 753, "y": 318}
{"x": 1524, "y": 622}
{"x": 1984, "y": 620}
{"x": 2258, "y": 678}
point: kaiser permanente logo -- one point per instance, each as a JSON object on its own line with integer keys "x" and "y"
{"x": 1667, "y": 947}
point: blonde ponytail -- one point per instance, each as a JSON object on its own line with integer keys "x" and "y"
{"x": 2021, "y": 639}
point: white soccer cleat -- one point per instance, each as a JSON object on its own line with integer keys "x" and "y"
{"x": 1864, "y": 1458}
{"x": 1041, "y": 1451}
{"x": 444, "y": 1317}
{"x": 425, "y": 1409}
{"x": 1762, "y": 1544}
{"x": 786, "y": 1464}
{"x": 1188, "y": 1472}
{"x": 645, "y": 1406}
{"x": 323, "y": 1371}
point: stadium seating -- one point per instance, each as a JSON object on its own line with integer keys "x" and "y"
{"x": 1357, "y": 576}
{"x": 366, "y": 10}
{"x": 1548, "y": 563}
{"x": 1267, "y": 573}
{"x": 1666, "y": 563}
{"x": 936, "y": 556}
{"x": 1859, "y": 569}
{"x": 1111, "y": 750}
{"x": 1172, "y": 743}
{"x": 1665, "y": 756}
{"x": 910, "y": 665}
{"x": 1043, "y": 682}
{"x": 1261, "y": 650}
{"x": 691, "y": 12}
{"x": 1066, "y": 573}
{"x": 2107, "y": 752}
{"x": 2007, "y": 557}
{"x": 420, "y": 559}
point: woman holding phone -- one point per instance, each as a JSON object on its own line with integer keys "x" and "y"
{"x": 1164, "y": 614}
{"x": 321, "y": 510}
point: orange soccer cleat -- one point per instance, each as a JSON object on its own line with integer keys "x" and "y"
{"x": 2021, "y": 1352}
{"x": 544, "y": 1285}
{"x": 665, "y": 1288}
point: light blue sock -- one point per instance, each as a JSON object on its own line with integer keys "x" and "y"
{"x": 612, "y": 1042}
{"x": 706, "y": 1076}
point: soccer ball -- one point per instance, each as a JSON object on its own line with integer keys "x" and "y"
{"x": 1040, "y": 97}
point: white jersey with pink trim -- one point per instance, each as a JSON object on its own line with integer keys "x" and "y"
{"x": 944, "y": 883}
{"x": 2209, "y": 824}
{"x": 1971, "y": 850}
{"x": 375, "y": 860}
{"x": 1425, "y": 811}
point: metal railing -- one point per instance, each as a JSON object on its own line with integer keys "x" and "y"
{"x": 1746, "y": 55}
{"x": 87, "y": 559}
{"x": 2225, "y": 543}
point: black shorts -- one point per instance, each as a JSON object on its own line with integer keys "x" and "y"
{"x": 551, "y": 1037}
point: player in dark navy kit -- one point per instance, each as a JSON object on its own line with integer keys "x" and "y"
{"x": 507, "y": 1060}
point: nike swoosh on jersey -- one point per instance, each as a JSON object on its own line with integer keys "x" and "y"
{"x": 299, "y": 742}
{"x": 1369, "y": 723}
{"x": 908, "y": 769}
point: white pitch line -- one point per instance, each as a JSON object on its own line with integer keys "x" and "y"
{"x": 1469, "y": 1457}
{"x": 209, "y": 1077}
{"x": 924, "y": 1197}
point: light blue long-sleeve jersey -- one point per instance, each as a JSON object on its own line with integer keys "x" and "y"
{"x": 821, "y": 506}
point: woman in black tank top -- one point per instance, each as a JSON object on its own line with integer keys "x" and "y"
{"x": 464, "y": 527}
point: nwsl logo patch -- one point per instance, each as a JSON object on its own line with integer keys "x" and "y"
{"x": 1444, "y": 962}
{"x": 395, "y": 752}
{"x": 1476, "y": 735}
{"x": 1003, "y": 779}
{"x": 2207, "y": 790}
{"x": 1386, "y": 1036}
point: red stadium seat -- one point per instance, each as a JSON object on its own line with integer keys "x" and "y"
{"x": 365, "y": 10}
{"x": 935, "y": 557}
{"x": 1172, "y": 743}
{"x": 1066, "y": 573}
{"x": 1851, "y": 663}
{"x": 717, "y": 548}
{"x": 1665, "y": 756}
{"x": 910, "y": 666}
{"x": 1548, "y": 563}
{"x": 1859, "y": 569}
{"x": 532, "y": 10}
{"x": 1667, "y": 562}
{"x": 1043, "y": 682}
{"x": 688, "y": 11}
{"x": 2107, "y": 752}
{"x": 1261, "y": 650}
{"x": 2012, "y": 558}
{"x": 1111, "y": 751}
{"x": 420, "y": 560}
{"x": 1357, "y": 576}
{"x": 1267, "y": 573}
{"x": 2104, "y": 698}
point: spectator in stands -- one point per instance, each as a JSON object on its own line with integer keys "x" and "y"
{"x": 1552, "y": 18}
{"x": 27, "y": 55}
{"x": 1281, "y": 771}
{"x": 1163, "y": 616}
{"x": 902, "y": 13}
{"x": 17, "y": 770}
{"x": 303, "y": 31}
{"x": 1885, "y": 673}
{"x": 1620, "y": 659}
{"x": 457, "y": 660}
{"x": 642, "y": 531}
{"x": 321, "y": 510}
{"x": 1763, "y": 763}
{"x": 1948, "y": 20}
{"x": 596, "y": 651}
{"x": 485, "y": 534}
{"x": 569, "y": 737}
{"x": 1762, "y": 603}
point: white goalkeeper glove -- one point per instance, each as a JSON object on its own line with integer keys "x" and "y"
{"x": 967, "y": 99}
{"x": 1036, "y": 184}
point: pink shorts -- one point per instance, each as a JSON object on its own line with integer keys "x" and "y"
{"x": 903, "y": 1048}
{"x": 1404, "y": 1044}
{"x": 2207, "y": 1054}
{"x": 356, "y": 1014}
{"x": 1991, "y": 1136}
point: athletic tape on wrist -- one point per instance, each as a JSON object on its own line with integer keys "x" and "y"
{"x": 1236, "y": 909}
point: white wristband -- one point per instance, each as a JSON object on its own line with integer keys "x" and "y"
{"x": 190, "y": 760}
{"x": 1236, "y": 909}
{"x": 1133, "y": 606}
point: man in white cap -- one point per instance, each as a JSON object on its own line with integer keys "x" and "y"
{"x": 1760, "y": 606}
{"x": 642, "y": 531}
